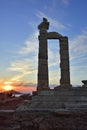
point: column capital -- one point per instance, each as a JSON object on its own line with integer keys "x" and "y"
{"x": 44, "y": 25}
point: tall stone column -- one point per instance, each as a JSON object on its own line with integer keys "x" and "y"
{"x": 64, "y": 62}
{"x": 43, "y": 80}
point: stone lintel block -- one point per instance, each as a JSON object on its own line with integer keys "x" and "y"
{"x": 53, "y": 35}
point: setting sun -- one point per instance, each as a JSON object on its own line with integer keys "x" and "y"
{"x": 8, "y": 87}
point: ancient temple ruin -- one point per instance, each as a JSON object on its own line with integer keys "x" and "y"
{"x": 43, "y": 77}
{"x": 65, "y": 97}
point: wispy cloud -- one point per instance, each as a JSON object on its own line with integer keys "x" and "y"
{"x": 78, "y": 46}
{"x": 54, "y": 23}
{"x": 17, "y": 77}
{"x": 53, "y": 54}
{"x": 78, "y": 56}
{"x": 26, "y": 64}
{"x": 22, "y": 69}
{"x": 54, "y": 77}
{"x": 27, "y": 84}
{"x": 30, "y": 45}
{"x": 66, "y": 2}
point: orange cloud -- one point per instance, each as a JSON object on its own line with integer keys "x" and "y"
{"x": 24, "y": 89}
{"x": 18, "y": 86}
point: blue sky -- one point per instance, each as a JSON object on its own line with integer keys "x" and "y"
{"x": 19, "y": 39}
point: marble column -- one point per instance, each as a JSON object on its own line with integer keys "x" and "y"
{"x": 64, "y": 62}
{"x": 43, "y": 78}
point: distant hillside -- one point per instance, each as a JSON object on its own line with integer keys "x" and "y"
{"x": 14, "y": 92}
{"x": 11, "y": 91}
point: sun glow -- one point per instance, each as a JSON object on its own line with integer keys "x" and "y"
{"x": 8, "y": 87}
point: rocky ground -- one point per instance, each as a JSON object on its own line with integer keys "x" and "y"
{"x": 13, "y": 102}
{"x": 33, "y": 120}
{"x": 43, "y": 121}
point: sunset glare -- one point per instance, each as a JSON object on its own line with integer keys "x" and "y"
{"x": 8, "y": 87}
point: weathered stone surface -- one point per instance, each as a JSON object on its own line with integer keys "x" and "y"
{"x": 59, "y": 99}
{"x": 53, "y": 35}
{"x": 44, "y": 25}
{"x": 64, "y": 62}
{"x": 43, "y": 76}
{"x": 43, "y": 80}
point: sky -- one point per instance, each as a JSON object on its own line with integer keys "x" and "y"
{"x": 19, "y": 20}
